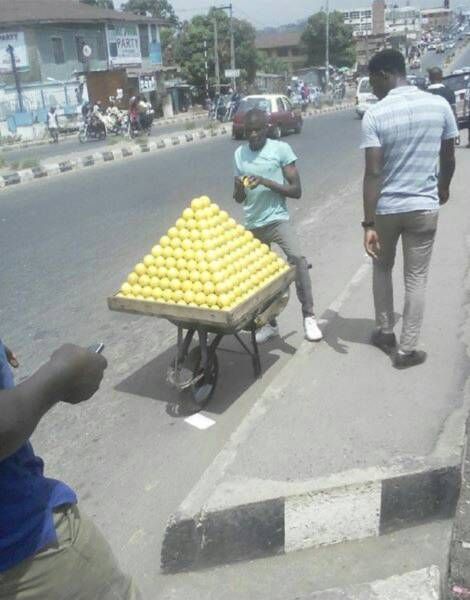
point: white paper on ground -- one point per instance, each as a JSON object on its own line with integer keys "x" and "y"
{"x": 200, "y": 421}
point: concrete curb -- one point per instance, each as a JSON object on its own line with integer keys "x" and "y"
{"x": 47, "y": 140}
{"x": 325, "y": 512}
{"x": 458, "y": 584}
{"x": 415, "y": 585}
{"x": 66, "y": 165}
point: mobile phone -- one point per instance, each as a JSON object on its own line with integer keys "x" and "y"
{"x": 96, "y": 348}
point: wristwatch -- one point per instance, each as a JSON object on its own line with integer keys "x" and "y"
{"x": 368, "y": 224}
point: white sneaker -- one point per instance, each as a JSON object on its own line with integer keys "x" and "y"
{"x": 312, "y": 331}
{"x": 266, "y": 332}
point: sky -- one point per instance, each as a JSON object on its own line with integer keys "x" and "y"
{"x": 264, "y": 13}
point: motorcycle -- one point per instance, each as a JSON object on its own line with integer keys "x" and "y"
{"x": 142, "y": 124}
{"x": 92, "y": 129}
{"x": 115, "y": 123}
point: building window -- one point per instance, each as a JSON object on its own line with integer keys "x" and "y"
{"x": 153, "y": 33}
{"x": 355, "y": 14}
{"x": 79, "y": 43}
{"x": 144, "y": 41}
{"x": 58, "y": 50}
{"x": 283, "y": 51}
{"x": 112, "y": 46}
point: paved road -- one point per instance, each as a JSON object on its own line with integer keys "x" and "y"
{"x": 71, "y": 144}
{"x": 67, "y": 243}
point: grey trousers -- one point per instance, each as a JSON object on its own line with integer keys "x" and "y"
{"x": 417, "y": 231}
{"x": 280, "y": 233}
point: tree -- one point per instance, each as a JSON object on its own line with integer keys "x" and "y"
{"x": 342, "y": 49}
{"x": 189, "y": 47}
{"x": 99, "y": 3}
{"x": 272, "y": 64}
{"x": 161, "y": 9}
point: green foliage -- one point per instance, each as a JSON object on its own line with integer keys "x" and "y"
{"x": 29, "y": 163}
{"x": 188, "y": 48}
{"x": 342, "y": 50}
{"x": 99, "y": 3}
{"x": 157, "y": 8}
{"x": 272, "y": 65}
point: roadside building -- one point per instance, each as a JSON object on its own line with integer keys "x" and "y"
{"x": 65, "y": 50}
{"x": 284, "y": 45}
{"x": 403, "y": 20}
{"x": 436, "y": 18}
{"x": 360, "y": 20}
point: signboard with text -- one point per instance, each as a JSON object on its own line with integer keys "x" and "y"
{"x": 147, "y": 83}
{"x": 16, "y": 40}
{"x": 123, "y": 44}
{"x": 232, "y": 73}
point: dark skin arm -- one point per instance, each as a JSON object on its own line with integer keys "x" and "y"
{"x": 371, "y": 193}
{"x": 72, "y": 375}
{"x": 446, "y": 170}
{"x": 291, "y": 188}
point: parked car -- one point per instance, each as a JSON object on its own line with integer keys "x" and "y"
{"x": 365, "y": 97}
{"x": 432, "y": 47}
{"x": 283, "y": 116}
{"x": 459, "y": 83}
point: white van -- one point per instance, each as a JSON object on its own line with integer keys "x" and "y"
{"x": 364, "y": 96}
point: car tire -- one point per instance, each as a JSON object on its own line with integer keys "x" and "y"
{"x": 276, "y": 132}
{"x": 298, "y": 128}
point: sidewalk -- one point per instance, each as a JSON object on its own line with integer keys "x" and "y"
{"x": 358, "y": 449}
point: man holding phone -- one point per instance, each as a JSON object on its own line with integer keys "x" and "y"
{"x": 48, "y": 549}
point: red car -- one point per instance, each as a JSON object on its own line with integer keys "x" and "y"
{"x": 282, "y": 116}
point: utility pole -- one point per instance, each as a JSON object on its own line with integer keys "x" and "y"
{"x": 11, "y": 52}
{"x": 229, "y": 7}
{"x": 232, "y": 50}
{"x": 206, "y": 66}
{"x": 216, "y": 59}
{"x": 327, "y": 44}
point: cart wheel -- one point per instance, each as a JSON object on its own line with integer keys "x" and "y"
{"x": 203, "y": 390}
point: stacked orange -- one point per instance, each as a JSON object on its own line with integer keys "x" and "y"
{"x": 206, "y": 260}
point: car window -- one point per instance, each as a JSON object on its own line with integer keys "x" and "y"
{"x": 279, "y": 105}
{"x": 248, "y": 103}
{"x": 365, "y": 87}
{"x": 288, "y": 104}
{"x": 457, "y": 82}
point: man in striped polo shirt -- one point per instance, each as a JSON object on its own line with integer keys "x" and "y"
{"x": 408, "y": 137}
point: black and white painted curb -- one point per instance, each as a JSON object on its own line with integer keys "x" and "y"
{"x": 72, "y": 164}
{"x": 415, "y": 585}
{"x": 318, "y": 516}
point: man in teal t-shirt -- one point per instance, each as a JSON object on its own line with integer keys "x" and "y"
{"x": 273, "y": 177}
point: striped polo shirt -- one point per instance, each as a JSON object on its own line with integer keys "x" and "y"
{"x": 409, "y": 125}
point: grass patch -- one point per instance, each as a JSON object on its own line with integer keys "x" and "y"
{"x": 15, "y": 165}
{"x": 190, "y": 126}
{"x": 30, "y": 163}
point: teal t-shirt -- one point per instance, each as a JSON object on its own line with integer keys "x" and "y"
{"x": 263, "y": 206}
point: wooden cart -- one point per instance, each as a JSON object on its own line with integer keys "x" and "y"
{"x": 198, "y": 369}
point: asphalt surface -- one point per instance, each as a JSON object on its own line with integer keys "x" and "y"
{"x": 67, "y": 244}
{"x": 69, "y": 145}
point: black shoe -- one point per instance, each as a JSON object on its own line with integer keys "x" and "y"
{"x": 387, "y": 342}
{"x": 411, "y": 359}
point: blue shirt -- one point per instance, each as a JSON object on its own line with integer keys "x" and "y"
{"x": 27, "y": 498}
{"x": 263, "y": 206}
{"x": 409, "y": 125}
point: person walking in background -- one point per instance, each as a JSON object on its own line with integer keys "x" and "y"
{"x": 53, "y": 125}
{"x": 49, "y": 550}
{"x": 437, "y": 86}
{"x": 269, "y": 167}
{"x": 404, "y": 136}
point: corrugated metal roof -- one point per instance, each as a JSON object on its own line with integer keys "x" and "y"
{"x": 13, "y": 12}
